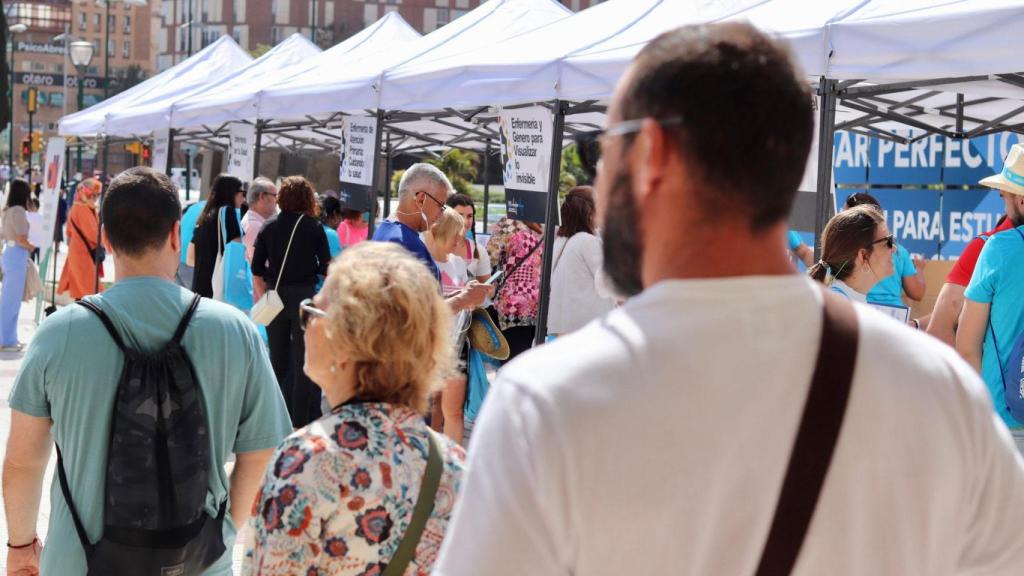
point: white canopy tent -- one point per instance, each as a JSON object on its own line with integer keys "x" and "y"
{"x": 350, "y": 83}
{"x": 144, "y": 119}
{"x": 218, "y": 60}
{"x": 240, "y": 100}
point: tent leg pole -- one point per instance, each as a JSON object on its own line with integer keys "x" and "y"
{"x": 549, "y": 222}
{"x": 487, "y": 181}
{"x": 826, "y": 142}
{"x": 103, "y": 195}
{"x": 389, "y": 173}
{"x": 256, "y": 151}
{"x": 170, "y": 153}
{"x": 376, "y": 172}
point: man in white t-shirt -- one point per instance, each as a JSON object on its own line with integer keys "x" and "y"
{"x": 655, "y": 440}
{"x": 262, "y": 200}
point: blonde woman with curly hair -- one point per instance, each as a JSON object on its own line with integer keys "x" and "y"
{"x": 290, "y": 255}
{"x": 339, "y": 495}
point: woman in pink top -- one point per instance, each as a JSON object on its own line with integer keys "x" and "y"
{"x": 353, "y": 227}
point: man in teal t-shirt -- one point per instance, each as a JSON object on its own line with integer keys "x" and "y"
{"x": 69, "y": 376}
{"x": 994, "y": 298}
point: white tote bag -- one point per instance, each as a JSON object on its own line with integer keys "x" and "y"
{"x": 218, "y": 266}
{"x": 270, "y": 305}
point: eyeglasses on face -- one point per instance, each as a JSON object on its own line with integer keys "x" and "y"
{"x": 434, "y": 200}
{"x": 588, "y": 144}
{"x": 889, "y": 240}
{"x": 307, "y": 310}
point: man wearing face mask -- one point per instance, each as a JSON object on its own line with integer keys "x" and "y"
{"x": 656, "y": 440}
{"x": 422, "y": 194}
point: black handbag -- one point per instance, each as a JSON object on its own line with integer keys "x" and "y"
{"x": 102, "y": 252}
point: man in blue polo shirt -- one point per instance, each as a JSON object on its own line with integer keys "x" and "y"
{"x": 994, "y": 305}
{"x": 422, "y": 193}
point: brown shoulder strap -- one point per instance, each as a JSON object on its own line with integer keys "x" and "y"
{"x": 815, "y": 439}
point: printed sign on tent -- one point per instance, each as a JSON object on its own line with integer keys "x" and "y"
{"x": 526, "y": 136}
{"x": 358, "y": 156}
{"x": 240, "y": 152}
{"x": 49, "y": 198}
{"x": 161, "y": 143}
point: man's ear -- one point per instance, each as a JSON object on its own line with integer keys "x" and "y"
{"x": 650, "y": 154}
{"x": 175, "y": 237}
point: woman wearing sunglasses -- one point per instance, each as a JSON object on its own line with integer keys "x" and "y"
{"x": 340, "y": 495}
{"x": 856, "y": 252}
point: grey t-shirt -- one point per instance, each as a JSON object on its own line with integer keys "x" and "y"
{"x": 14, "y": 223}
{"x": 70, "y": 374}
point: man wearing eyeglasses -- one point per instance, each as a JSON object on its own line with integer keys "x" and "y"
{"x": 262, "y": 200}
{"x": 422, "y": 193}
{"x": 655, "y": 440}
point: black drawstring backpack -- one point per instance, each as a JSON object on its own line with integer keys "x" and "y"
{"x": 158, "y": 464}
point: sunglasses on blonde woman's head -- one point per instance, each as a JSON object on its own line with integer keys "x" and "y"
{"x": 889, "y": 240}
{"x": 307, "y": 310}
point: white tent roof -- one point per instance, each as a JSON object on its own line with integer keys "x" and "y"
{"x": 144, "y": 118}
{"x": 582, "y": 57}
{"x": 351, "y": 84}
{"x": 240, "y": 100}
{"x": 222, "y": 101}
{"x": 218, "y": 60}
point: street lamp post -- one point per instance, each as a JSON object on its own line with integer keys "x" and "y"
{"x": 81, "y": 55}
{"x": 14, "y": 30}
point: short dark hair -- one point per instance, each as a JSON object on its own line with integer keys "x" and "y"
{"x": 747, "y": 117}
{"x": 139, "y": 210}
{"x": 861, "y": 199}
{"x": 222, "y": 193}
{"x": 19, "y": 194}
{"x": 329, "y": 206}
{"x": 577, "y": 212}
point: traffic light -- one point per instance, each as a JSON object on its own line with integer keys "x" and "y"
{"x": 147, "y": 153}
{"x": 37, "y": 141}
{"x": 33, "y": 100}
{"x": 26, "y": 148}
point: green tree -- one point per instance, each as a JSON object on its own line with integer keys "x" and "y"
{"x": 572, "y": 172}
{"x": 461, "y": 168}
{"x": 260, "y": 50}
{"x": 122, "y": 79}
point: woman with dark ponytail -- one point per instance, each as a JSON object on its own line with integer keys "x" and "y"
{"x": 856, "y": 252}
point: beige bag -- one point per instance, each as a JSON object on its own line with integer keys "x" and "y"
{"x": 270, "y": 305}
{"x": 33, "y": 283}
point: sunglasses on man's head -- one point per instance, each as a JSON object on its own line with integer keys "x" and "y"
{"x": 889, "y": 240}
{"x": 307, "y": 310}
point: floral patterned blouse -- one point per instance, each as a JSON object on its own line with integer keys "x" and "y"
{"x": 518, "y": 299}
{"x": 339, "y": 494}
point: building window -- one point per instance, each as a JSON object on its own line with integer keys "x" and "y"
{"x": 38, "y": 67}
{"x": 274, "y": 34}
{"x": 83, "y": 21}
{"x": 127, "y": 24}
{"x": 111, "y": 49}
{"x": 97, "y": 22}
{"x": 126, "y": 49}
{"x": 112, "y": 22}
{"x": 442, "y": 17}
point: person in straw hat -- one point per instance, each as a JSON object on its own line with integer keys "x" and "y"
{"x": 993, "y": 316}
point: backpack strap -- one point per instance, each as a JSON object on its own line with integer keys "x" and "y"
{"x": 406, "y": 551}
{"x": 66, "y": 491}
{"x": 106, "y": 322}
{"x": 179, "y": 332}
{"x": 815, "y": 439}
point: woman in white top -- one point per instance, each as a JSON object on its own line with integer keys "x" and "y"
{"x": 578, "y": 293}
{"x": 17, "y": 248}
{"x": 444, "y": 241}
{"x": 475, "y": 255}
{"x": 856, "y": 251}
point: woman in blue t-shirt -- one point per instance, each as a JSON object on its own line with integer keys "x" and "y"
{"x": 856, "y": 252}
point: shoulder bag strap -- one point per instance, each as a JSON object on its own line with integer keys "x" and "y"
{"x": 421, "y": 513}
{"x": 560, "y": 252}
{"x": 106, "y": 322}
{"x": 66, "y": 491}
{"x": 815, "y": 440}
{"x": 82, "y": 236}
{"x": 506, "y": 276}
{"x": 179, "y": 332}
{"x": 286, "y": 251}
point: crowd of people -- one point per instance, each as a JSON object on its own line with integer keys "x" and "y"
{"x": 741, "y": 417}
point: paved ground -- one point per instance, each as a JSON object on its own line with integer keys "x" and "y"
{"x": 9, "y": 364}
